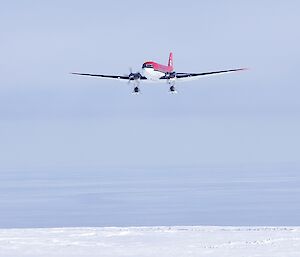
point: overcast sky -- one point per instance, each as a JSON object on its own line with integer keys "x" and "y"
{"x": 49, "y": 118}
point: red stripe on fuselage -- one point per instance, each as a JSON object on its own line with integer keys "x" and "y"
{"x": 160, "y": 67}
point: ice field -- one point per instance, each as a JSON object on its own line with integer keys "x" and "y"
{"x": 151, "y": 242}
{"x": 115, "y": 213}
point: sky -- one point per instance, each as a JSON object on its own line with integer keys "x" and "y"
{"x": 52, "y": 120}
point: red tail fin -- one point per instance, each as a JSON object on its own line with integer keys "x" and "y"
{"x": 170, "y": 63}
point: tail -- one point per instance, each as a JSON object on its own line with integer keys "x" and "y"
{"x": 170, "y": 63}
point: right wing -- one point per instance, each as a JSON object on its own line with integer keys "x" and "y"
{"x": 191, "y": 76}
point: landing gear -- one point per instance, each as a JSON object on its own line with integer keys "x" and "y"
{"x": 136, "y": 90}
{"x": 172, "y": 89}
{"x": 171, "y": 83}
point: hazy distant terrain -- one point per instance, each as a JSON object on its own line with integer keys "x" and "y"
{"x": 150, "y": 197}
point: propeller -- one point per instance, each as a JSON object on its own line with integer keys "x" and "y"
{"x": 133, "y": 76}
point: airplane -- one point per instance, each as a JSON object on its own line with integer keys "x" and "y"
{"x": 155, "y": 72}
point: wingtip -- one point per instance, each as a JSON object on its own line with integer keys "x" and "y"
{"x": 245, "y": 69}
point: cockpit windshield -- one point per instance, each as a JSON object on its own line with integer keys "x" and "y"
{"x": 147, "y": 65}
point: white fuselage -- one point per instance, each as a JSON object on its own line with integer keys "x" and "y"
{"x": 152, "y": 74}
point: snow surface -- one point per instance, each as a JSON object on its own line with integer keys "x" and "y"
{"x": 152, "y": 241}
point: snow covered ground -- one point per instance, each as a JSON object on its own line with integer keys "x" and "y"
{"x": 152, "y": 241}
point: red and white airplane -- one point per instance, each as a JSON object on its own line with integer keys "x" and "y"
{"x": 155, "y": 72}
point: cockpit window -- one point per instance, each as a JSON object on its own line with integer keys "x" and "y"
{"x": 147, "y": 65}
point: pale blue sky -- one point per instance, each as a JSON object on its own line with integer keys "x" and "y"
{"x": 49, "y": 117}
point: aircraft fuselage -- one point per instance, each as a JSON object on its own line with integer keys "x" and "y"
{"x": 155, "y": 71}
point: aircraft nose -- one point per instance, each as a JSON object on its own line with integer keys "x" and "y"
{"x": 145, "y": 72}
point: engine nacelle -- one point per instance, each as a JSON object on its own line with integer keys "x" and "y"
{"x": 171, "y": 75}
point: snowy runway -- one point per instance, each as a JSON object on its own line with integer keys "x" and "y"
{"x": 152, "y": 242}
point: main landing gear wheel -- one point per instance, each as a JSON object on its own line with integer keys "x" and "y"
{"x": 173, "y": 90}
{"x": 136, "y": 90}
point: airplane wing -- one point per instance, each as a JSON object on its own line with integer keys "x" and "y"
{"x": 181, "y": 76}
{"x": 107, "y": 76}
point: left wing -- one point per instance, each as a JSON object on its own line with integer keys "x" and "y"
{"x": 127, "y": 77}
